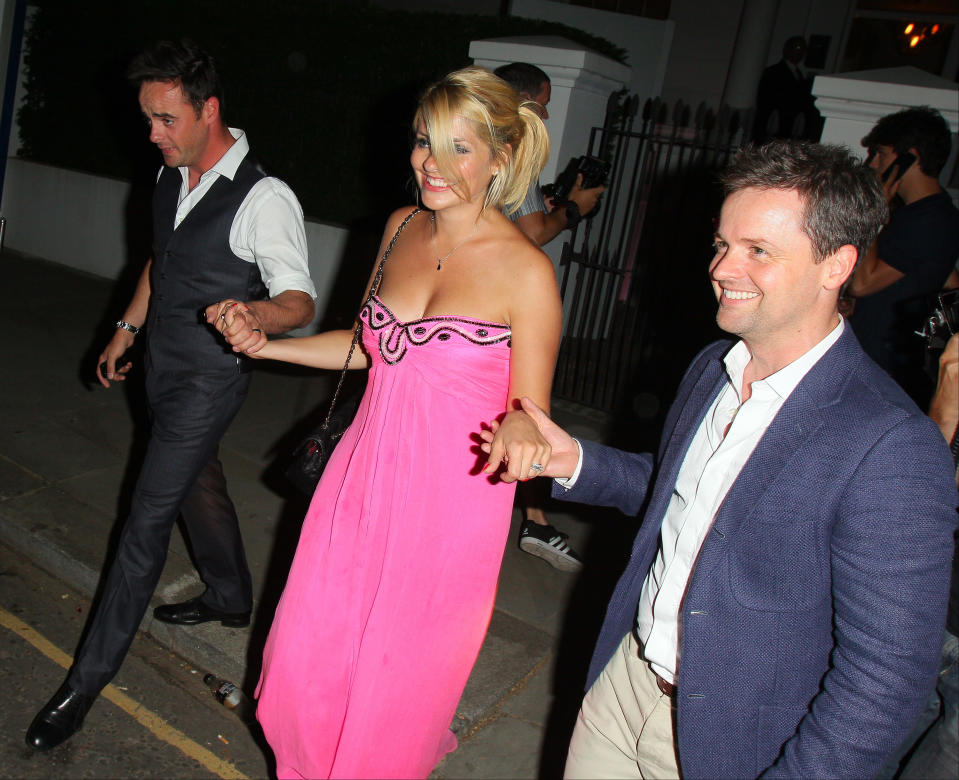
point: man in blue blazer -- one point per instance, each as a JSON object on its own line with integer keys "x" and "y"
{"x": 783, "y": 608}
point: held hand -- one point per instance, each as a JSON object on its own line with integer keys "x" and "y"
{"x": 107, "y": 366}
{"x": 238, "y": 324}
{"x": 564, "y": 454}
{"x": 518, "y": 444}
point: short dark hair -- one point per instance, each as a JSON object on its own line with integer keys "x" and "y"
{"x": 525, "y": 78}
{"x": 842, "y": 199}
{"x": 921, "y": 128}
{"x": 183, "y": 63}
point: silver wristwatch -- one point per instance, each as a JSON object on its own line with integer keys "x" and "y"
{"x": 127, "y": 326}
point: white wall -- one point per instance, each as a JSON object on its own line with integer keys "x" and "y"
{"x": 702, "y": 49}
{"x": 77, "y": 219}
{"x": 646, "y": 41}
{"x": 581, "y": 79}
{"x": 582, "y": 82}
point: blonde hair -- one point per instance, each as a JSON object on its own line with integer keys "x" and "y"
{"x": 513, "y": 131}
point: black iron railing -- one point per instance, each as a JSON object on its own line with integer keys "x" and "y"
{"x": 633, "y": 279}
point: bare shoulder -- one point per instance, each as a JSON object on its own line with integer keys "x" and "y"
{"x": 526, "y": 277}
{"x": 397, "y": 217}
{"x": 527, "y": 264}
{"x": 393, "y": 224}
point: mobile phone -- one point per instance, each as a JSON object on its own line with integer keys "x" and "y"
{"x": 902, "y": 164}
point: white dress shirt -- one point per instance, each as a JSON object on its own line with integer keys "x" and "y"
{"x": 268, "y": 227}
{"x": 712, "y": 464}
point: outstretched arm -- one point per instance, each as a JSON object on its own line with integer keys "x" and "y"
{"x": 241, "y": 325}
{"x": 564, "y": 454}
{"x": 535, "y": 319}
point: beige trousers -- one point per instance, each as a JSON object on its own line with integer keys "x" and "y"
{"x": 625, "y": 725}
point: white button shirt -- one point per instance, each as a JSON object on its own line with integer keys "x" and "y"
{"x": 268, "y": 227}
{"x": 711, "y": 465}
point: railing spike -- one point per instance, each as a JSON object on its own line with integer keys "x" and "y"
{"x": 700, "y": 116}
{"x": 662, "y": 113}
{"x": 648, "y": 107}
{"x": 678, "y": 111}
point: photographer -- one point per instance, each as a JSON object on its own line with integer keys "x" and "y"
{"x": 537, "y": 217}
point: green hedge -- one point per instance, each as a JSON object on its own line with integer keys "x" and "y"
{"x": 325, "y": 90}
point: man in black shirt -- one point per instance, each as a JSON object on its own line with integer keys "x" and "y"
{"x": 914, "y": 253}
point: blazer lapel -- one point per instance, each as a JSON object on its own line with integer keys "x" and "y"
{"x": 797, "y": 420}
{"x": 704, "y": 391}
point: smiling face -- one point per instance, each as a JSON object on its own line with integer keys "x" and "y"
{"x": 175, "y": 128}
{"x": 771, "y": 291}
{"x": 474, "y": 168}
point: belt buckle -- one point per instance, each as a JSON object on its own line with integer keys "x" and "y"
{"x": 668, "y": 688}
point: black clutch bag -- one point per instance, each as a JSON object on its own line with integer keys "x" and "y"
{"x": 313, "y": 453}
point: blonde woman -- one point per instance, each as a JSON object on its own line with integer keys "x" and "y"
{"x": 383, "y": 615}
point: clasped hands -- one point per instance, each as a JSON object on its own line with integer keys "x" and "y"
{"x": 239, "y": 325}
{"x": 527, "y": 436}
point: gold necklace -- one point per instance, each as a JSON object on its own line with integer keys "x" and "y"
{"x": 439, "y": 260}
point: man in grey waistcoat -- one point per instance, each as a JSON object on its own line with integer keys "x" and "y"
{"x": 224, "y": 234}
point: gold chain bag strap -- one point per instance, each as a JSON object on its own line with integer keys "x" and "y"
{"x": 311, "y": 456}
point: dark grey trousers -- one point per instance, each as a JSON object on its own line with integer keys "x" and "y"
{"x": 181, "y": 474}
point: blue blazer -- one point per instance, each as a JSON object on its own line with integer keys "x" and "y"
{"x": 812, "y": 623}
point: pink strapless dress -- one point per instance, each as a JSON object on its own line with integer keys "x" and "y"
{"x": 393, "y": 582}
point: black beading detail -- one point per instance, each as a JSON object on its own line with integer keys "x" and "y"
{"x": 395, "y": 337}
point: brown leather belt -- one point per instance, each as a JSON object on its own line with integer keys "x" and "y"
{"x": 668, "y": 688}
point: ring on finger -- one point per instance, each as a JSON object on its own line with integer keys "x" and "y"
{"x": 537, "y": 467}
{"x": 256, "y": 330}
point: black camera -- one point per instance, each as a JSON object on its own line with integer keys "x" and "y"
{"x": 595, "y": 172}
{"x": 943, "y": 322}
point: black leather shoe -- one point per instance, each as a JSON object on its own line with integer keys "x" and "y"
{"x": 189, "y": 613}
{"x": 59, "y": 719}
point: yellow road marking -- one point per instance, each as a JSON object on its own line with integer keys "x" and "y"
{"x": 149, "y": 720}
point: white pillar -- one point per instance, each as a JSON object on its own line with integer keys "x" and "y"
{"x": 582, "y": 82}
{"x": 756, "y": 25}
